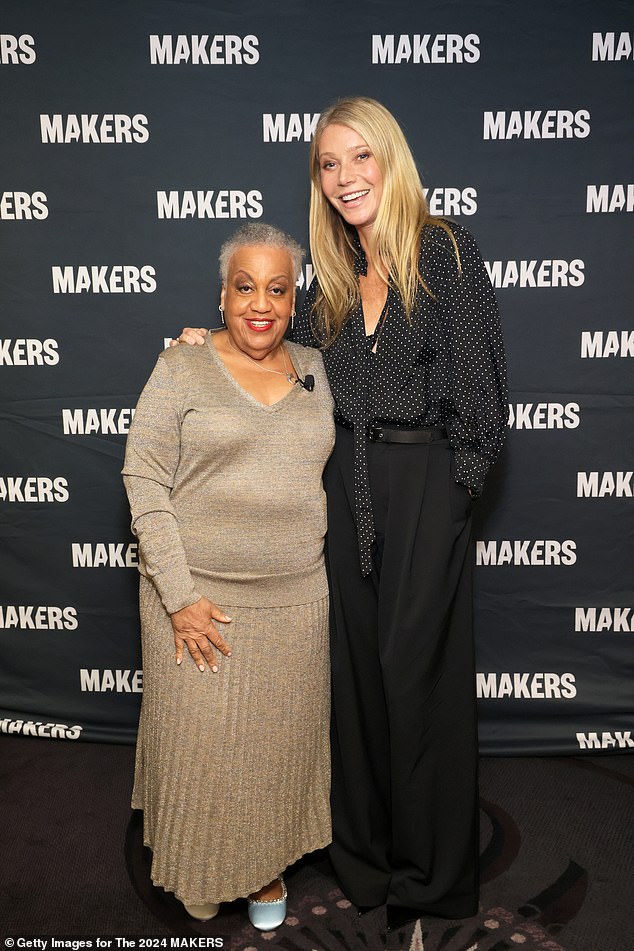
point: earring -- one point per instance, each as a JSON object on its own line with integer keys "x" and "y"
{"x": 292, "y": 319}
{"x": 222, "y": 313}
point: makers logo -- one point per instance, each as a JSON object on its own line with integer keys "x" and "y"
{"x": 42, "y": 618}
{"x": 105, "y": 555}
{"x": 609, "y": 343}
{"x": 452, "y": 201}
{"x": 106, "y": 129}
{"x": 108, "y": 681}
{"x": 612, "y": 46}
{"x": 23, "y": 206}
{"x": 53, "y": 731}
{"x": 289, "y": 126}
{"x": 542, "y": 686}
{"x": 25, "y": 352}
{"x": 17, "y": 50}
{"x": 209, "y": 204}
{"x": 613, "y": 620}
{"x": 537, "y": 124}
{"x": 598, "y": 485}
{"x": 543, "y": 552}
{"x": 204, "y": 49}
{"x": 543, "y": 415}
{"x": 106, "y": 422}
{"x": 553, "y": 273}
{"x": 606, "y": 740}
{"x": 103, "y": 279}
{"x": 425, "y": 48}
{"x": 609, "y": 198}
{"x": 33, "y": 489}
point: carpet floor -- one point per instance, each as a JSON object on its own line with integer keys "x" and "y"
{"x": 557, "y": 863}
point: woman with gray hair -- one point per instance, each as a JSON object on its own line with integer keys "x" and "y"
{"x": 223, "y": 471}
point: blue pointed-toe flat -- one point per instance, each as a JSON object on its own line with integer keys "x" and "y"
{"x": 267, "y": 915}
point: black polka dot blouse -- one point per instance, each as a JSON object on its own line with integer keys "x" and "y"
{"x": 443, "y": 368}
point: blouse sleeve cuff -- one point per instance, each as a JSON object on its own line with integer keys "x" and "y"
{"x": 471, "y": 469}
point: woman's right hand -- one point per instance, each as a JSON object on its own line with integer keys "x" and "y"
{"x": 195, "y": 335}
{"x": 193, "y": 628}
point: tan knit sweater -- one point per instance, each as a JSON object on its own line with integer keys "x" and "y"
{"x": 225, "y": 492}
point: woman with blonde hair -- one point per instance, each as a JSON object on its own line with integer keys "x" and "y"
{"x": 404, "y": 313}
{"x": 406, "y": 317}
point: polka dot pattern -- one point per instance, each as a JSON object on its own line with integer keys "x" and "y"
{"x": 444, "y": 367}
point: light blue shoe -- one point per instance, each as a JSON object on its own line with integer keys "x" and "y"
{"x": 267, "y": 915}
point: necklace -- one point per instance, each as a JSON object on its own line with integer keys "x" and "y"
{"x": 285, "y": 372}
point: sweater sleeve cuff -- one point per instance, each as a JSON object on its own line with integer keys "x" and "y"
{"x": 174, "y": 603}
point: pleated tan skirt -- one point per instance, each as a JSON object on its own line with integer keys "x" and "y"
{"x": 233, "y": 769}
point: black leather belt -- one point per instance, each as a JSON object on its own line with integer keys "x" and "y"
{"x": 416, "y": 434}
{"x": 391, "y": 434}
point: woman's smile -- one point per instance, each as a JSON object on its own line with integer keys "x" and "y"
{"x": 259, "y": 325}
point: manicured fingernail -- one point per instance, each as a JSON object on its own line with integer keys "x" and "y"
{"x": 201, "y": 667}
{"x": 179, "y": 661}
{"x": 228, "y": 654}
{"x": 215, "y": 670}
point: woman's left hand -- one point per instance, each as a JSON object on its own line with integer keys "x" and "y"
{"x": 193, "y": 626}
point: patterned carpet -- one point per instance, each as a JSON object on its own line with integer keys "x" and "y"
{"x": 556, "y": 857}
{"x": 555, "y": 877}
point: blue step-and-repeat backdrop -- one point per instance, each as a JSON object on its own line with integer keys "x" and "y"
{"x": 136, "y": 136}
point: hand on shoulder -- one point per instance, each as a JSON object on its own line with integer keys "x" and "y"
{"x": 191, "y": 335}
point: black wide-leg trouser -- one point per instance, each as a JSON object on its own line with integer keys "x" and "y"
{"x": 404, "y": 732}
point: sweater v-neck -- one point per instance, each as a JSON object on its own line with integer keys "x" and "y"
{"x": 268, "y": 407}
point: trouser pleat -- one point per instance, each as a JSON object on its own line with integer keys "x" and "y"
{"x": 404, "y": 734}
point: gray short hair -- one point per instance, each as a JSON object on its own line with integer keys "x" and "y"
{"x": 259, "y": 233}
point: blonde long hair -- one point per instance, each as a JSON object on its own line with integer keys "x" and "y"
{"x": 396, "y": 234}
